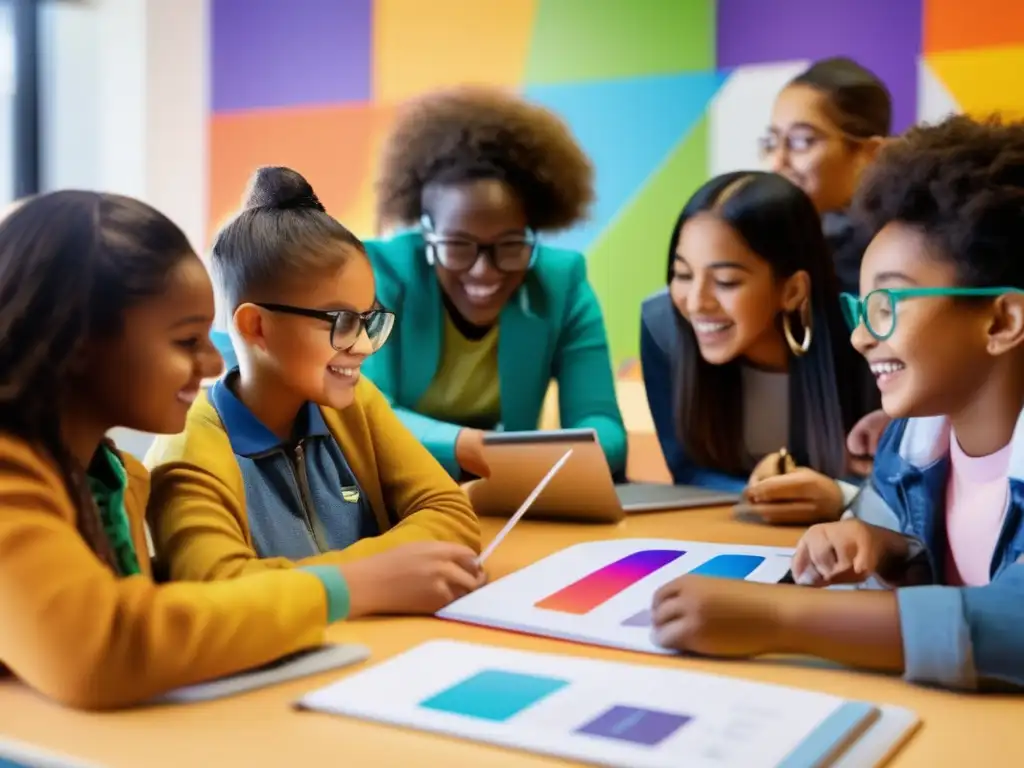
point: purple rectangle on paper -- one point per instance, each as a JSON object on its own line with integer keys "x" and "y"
{"x": 288, "y": 53}
{"x": 642, "y": 619}
{"x": 639, "y": 726}
{"x": 883, "y": 35}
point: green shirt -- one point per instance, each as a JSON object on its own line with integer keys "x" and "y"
{"x": 107, "y": 483}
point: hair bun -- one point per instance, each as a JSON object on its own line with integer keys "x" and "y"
{"x": 280, "y": 188}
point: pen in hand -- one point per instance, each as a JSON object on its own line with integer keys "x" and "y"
{"x": 783, "y": 454}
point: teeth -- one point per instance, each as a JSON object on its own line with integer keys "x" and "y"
{"x": 481, "y": 291}
{"x": 706, "y": 327}
{"x": 886, "y": 367}
{"x": 343, "y": 371}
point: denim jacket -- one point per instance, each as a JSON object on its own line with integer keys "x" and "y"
{"x": 958, "y": 637}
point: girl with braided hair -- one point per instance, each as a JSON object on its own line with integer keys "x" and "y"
{"x": 487, "y": 313}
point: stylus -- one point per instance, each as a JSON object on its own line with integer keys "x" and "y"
{"x": 522, "y": 510}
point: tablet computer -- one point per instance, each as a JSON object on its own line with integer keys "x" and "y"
{"x": 582, "y": 491}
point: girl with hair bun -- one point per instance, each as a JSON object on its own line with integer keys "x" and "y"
{"x": 827, "y": 126}
{"x": 105, "y": 312}
{"x": 293, "y": 459}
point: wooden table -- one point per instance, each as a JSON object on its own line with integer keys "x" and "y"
{"x": 259, "y": 729}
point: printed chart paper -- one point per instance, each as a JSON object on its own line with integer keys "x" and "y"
{"x": 600, "y": 592}
{"x": 605, "y": 713}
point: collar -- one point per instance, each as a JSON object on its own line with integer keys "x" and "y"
{"x": 925, "y": 440}
{"x": 248, "y": 435}
{"x": 107, "y": 468}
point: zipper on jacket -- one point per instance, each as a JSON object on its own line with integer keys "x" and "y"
{"x": 298, "y": 456}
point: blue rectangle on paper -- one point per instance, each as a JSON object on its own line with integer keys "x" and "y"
{"x": 719, "y": 566}
{"x": 637, "y": 726}
{"x": 729, "y": 566}
{"x": 494, "y": 694}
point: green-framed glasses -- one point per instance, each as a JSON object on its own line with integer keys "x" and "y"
{"x": 877, "y": 310}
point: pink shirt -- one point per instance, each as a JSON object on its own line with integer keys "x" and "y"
{"x": 976, "y": 500}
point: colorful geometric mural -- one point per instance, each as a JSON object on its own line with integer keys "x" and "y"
{"x": 660, "y": 94}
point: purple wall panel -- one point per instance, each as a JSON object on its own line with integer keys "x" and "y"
{"x": 286, "y": 53}
{"x": 883, "y": 35}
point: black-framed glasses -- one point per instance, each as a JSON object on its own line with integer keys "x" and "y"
{"x": 459, "y": 254}
{"x": 346, "y": 325}
{"x": 877, "y": 310}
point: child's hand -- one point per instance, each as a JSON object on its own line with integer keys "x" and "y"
{"x": 420, "y": 578}
{"x": 716, "y": 617}
{"x": 862, "y": 442}
{"x": 798, "y": 497}
{"x": 469, "y": 452}
{"x": 846, "y": 552}
{"x": 771, "y": 465}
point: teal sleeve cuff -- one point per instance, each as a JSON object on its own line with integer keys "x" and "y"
{"x": 338, "y": 601}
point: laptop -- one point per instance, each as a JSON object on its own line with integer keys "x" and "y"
{"x": 582, "y": 491}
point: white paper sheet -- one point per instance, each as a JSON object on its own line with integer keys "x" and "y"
{"x": 621, "y": 579}
{"x": 605, "y": 713}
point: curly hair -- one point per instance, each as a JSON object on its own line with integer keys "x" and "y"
{"x": 960, "y": 182}
{"x": 451, "y": 136}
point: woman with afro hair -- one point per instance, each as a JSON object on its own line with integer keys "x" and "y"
{"x": 487, "y": 314}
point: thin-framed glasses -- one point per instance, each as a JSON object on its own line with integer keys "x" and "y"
{"x": 796, "y": 142}
{"x": 459, "y": 254}
{"x": 346, "y": 325}
{"x": 877, "y": 310}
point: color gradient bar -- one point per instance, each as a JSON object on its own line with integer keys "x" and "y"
{"x": 588, "y": 593}
{"x": 720, "y": 566}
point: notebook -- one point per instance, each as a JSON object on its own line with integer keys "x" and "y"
{"x": 302, "y": 664}
{"x": 613, "y": 713}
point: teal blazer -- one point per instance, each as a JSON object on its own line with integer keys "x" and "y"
{"x": 551, "y": 328}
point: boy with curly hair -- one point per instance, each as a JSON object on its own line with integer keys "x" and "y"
{"x": 487, "y": 314}
{"x": 940, "y": 320}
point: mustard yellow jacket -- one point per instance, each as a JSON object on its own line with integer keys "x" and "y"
{"x": 73, "y": 630}
{"x": 198, "y": 508}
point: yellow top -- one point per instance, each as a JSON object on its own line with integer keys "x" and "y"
{"x": 465, "y": 389}
{"x": 76, "y": 632}
{"x": 198, "y": 515}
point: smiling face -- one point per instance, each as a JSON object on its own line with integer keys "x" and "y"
{"x": 147, "y": 375}
{"x": 730, "y": 296}
{"x": 296, "y": 350}
{"x": 937, "y": 356}
{"x": 804, "y": 145}
{"x": 484, "y": 212}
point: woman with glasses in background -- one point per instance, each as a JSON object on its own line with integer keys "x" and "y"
{"x": 487, "y": 314}
{"x": 827, "y": 126}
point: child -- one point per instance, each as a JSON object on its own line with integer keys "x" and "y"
{"x": 746, "y": 351}
{"x": 104, "y": 316}
{"x": 294, "y": 458}
{"x": 827, "y": 126}
{"x": 941, "y": 321}
{"x": 488, "y": 314}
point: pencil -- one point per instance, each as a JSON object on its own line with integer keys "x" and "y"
{"x": 782, "y": 461}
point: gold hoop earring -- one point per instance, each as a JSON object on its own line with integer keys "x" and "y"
{"x": 798, "y": 350}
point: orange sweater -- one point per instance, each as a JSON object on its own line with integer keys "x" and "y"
{"x": 76, "y": 632}
{"x": 198, "y": 512}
